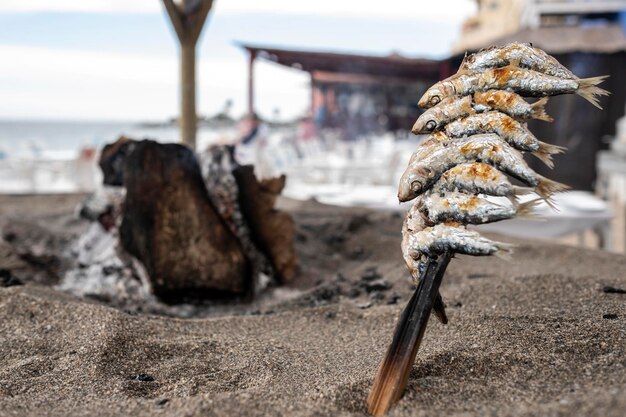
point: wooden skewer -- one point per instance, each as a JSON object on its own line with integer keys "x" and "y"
{"x": 393, "y": 373}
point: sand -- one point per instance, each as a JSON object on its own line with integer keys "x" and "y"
{"x": 536, "y": 336}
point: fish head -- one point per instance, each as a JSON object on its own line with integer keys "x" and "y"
{"x": 426, "y": 123}
{"x": 413, "y": 182}
{"x": 435, "y": 94}
{"x": 412, "y": 257}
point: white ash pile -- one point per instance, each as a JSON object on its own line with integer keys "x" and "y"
{"x": 103, "y": 269}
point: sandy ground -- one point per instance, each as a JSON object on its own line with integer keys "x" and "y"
{"x": 536, "y": 336}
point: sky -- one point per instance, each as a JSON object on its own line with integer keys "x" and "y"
{"x": 118, "y": 59}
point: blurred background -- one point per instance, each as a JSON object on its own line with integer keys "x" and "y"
{"x": 324, "y": 92}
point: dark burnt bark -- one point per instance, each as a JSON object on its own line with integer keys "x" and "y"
{"x": 170, "y": 225}
{"x": 272, "y": 230}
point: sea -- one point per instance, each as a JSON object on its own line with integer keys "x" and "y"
{"x": 35, "y": 139}
{"x": 39, "y": 156}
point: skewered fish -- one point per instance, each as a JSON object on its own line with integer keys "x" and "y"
{"x": 525, "y": 82}
{"x": 449, "y": 170}
{"x": 513, "y": 132}
{"x": 524, "y": 54}
{"x": 452, "y": 108}
{"x": 510, "y": 103}
{"x": 419, "y": 240}
{"x": 478, "y": 178}
{"x": 455, "y": 237}
{"x": 422, "y": 173}
{"x": 468, "y": 208}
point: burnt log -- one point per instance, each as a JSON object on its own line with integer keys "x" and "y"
{"x": 218, "y": 166}
{"x": 272, "y": 230}
{"x": 171, "y": 225}
{"x": 112, "y": 160}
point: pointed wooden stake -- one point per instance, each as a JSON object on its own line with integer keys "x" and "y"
{"x": 393, "y": 373}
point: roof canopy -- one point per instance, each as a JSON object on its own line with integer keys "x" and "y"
{"x": 393, "y": 65}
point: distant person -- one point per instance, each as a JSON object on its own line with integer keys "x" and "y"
{"x": 251, "y": 145}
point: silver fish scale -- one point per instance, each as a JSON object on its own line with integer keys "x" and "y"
{"x": 527, "y": 82}
{"x": 488, "y": 148}
{"x": 516, "y": 135}
{"x": 527, "y": 56}
{"x": 461, "y": 178}
{"x": 462, "y": 208}
{"x": 516, "y": 106}
{"x": 449, "y": 109}
{"x": 441, "y": 237}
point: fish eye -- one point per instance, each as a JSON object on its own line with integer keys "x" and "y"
{"x": 430, "y": 126}
{"x": 435, "y": 100}
{"x": 416, "y": 186}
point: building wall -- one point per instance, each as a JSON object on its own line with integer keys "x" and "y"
{"x": 579, "y": 126}
{"x": 495, "y": 18}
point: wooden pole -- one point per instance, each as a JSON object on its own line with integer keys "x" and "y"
{"x": 188, "y": 20}
{"x": 251, "y": 83}
{"x": 188, "y": 116}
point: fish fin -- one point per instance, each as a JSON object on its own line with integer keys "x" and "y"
{"x": 546, "y": 158}
{"x": 439, "y": 308}
{"x": 526, "y": 210}
{"x": 514, "y": 200}
{"x": 545, "y": 152}
{"x": 587, "y": 89}
{"x": 522, "y": 190}
{"x": 505, "y": 250}
{"x": 539, "y": 110}
{"x": 547, "y": 187}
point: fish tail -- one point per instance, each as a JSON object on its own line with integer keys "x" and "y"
{"x": 587, "y": 89}
{"x": 517, "y": 191}
{"x": 545, "y": 152}
{"x": 547, "y": 187}
{"x": 526, "y": 210}
{"x": 539, "y": 110}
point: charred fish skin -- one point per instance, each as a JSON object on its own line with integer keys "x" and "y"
{"x": 476, "y": 178}
{"x": 434, "y": 140}
{"x": 512, "y": 131}
{"x": 413, "y": 223}
{"x": 526, "y": 82}
{"x": 510, "y": 103}
{"x": 454, "y": 107}
{"x": 450, "y": 108}
{"x": 443, "y": 237}
{"x": 524, "y": 54}
{"x": 522, "y": 81}
{"x": 422, "y": 173}
{"x": 462, "y": 208}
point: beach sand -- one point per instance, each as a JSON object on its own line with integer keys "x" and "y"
{"x": 535, "y": 336}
